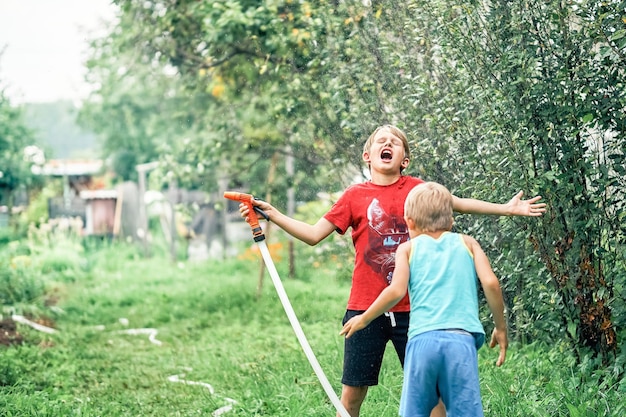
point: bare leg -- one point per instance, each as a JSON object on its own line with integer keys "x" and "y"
{"x": 439, "y": 410}
{"x": 353, "y": 397}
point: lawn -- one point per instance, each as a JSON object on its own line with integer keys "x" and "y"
{"x": 138, "y": 336}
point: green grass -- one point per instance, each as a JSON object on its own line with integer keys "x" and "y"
{"x": 215, "y": 331}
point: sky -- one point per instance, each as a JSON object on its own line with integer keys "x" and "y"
{"x": 43, "y": 45}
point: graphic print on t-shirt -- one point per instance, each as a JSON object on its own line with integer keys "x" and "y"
{"x": 385, "y": 232}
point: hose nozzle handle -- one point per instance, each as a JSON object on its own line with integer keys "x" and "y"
{"x": 253, "y": 219}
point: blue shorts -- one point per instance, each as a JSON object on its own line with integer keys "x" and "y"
{"x": 364, "y": 350}
{"x": 441, "y": 364}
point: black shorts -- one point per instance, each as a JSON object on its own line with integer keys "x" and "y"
{"x": 364, "y": 350}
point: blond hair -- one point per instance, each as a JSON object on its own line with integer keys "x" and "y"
{"x": 397, "y": 132}
{"x": 429, "y": 205}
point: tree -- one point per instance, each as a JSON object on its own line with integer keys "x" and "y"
{"x": 549, "y": 80}
{"x": 15, "y": 171}
{"x": 236, "y": 78}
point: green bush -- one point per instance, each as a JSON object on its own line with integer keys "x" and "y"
{"x": 19, "y": 281}
{"x": 335, "y": 253}
{"x": 6, "y": 236}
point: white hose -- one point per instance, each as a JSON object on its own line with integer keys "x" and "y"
{"x": 295, "y": 324}
{"x": 21, "y": 319}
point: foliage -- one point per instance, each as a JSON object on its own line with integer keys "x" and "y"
{"x": 556, "y": 124}
{"x": 37, "y": 211}
{"x": 221, "y": 80}
{"x": 541, "y": 381}
{"x": 334, "y": 255}
{"x": 129, "y": 113}
{"x": 29, "y": 268}
{"x": 15, "y": 165}
{"x": 19, "y": 282}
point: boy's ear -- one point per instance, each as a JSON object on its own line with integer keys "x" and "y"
{"x": 405, "y": 163}
{"x": 366, "y": 157}
{"x": 409, "y": 222}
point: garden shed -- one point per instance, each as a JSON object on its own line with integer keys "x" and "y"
{"x": 78, "y": 175}
{"x": 100, "y": 212}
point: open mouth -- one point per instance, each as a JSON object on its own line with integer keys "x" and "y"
{"x": 386, "y": 155}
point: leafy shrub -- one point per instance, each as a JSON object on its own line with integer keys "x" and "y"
{"x": 37, "y": 211}
{"x": 19, "y": 281}
{"x": 335, "y": 253}
{"x": 6, "y": 236}
{"x": 62, "y": 262}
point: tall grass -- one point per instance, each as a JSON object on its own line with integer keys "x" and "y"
{"x": 218, "y": 345}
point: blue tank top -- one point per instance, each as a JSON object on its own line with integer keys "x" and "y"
{"x": 443, "y": 286}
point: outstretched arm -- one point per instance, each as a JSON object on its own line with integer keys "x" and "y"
{"x": 515, "y": 207}
{"x": 310, "y": 234}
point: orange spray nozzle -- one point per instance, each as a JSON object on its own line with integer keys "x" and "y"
{"x": 253, "y": 219}
{"x": 243, "y": 197}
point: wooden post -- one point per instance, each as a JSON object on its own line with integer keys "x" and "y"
{"x": 173, "y": 192}
{"x": 291, "y": 207}
{"x": 143, "y": 216}
{"x": 222, "y": 184}
{"x": 117, "y": 222}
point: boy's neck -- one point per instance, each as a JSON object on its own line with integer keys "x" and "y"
{"x": 380, "y": 178}
{"x": 435, "y": 235}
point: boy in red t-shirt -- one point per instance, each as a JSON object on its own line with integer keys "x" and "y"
{"x": 375, "y": 212}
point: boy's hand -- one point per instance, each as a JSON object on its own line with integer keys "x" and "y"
{"x": 499, "y": 337}
{"x": 519, "y": 207}
{"x": 244, "y": 209}
{"x": 355, "y": 324}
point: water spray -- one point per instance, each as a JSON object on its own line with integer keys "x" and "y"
{"x": 259, "y": 238}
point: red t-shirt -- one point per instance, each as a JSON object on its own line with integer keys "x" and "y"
{"x": 376, "y": 215}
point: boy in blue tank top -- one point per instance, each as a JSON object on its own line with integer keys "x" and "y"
{"x": 440, "y": 271}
